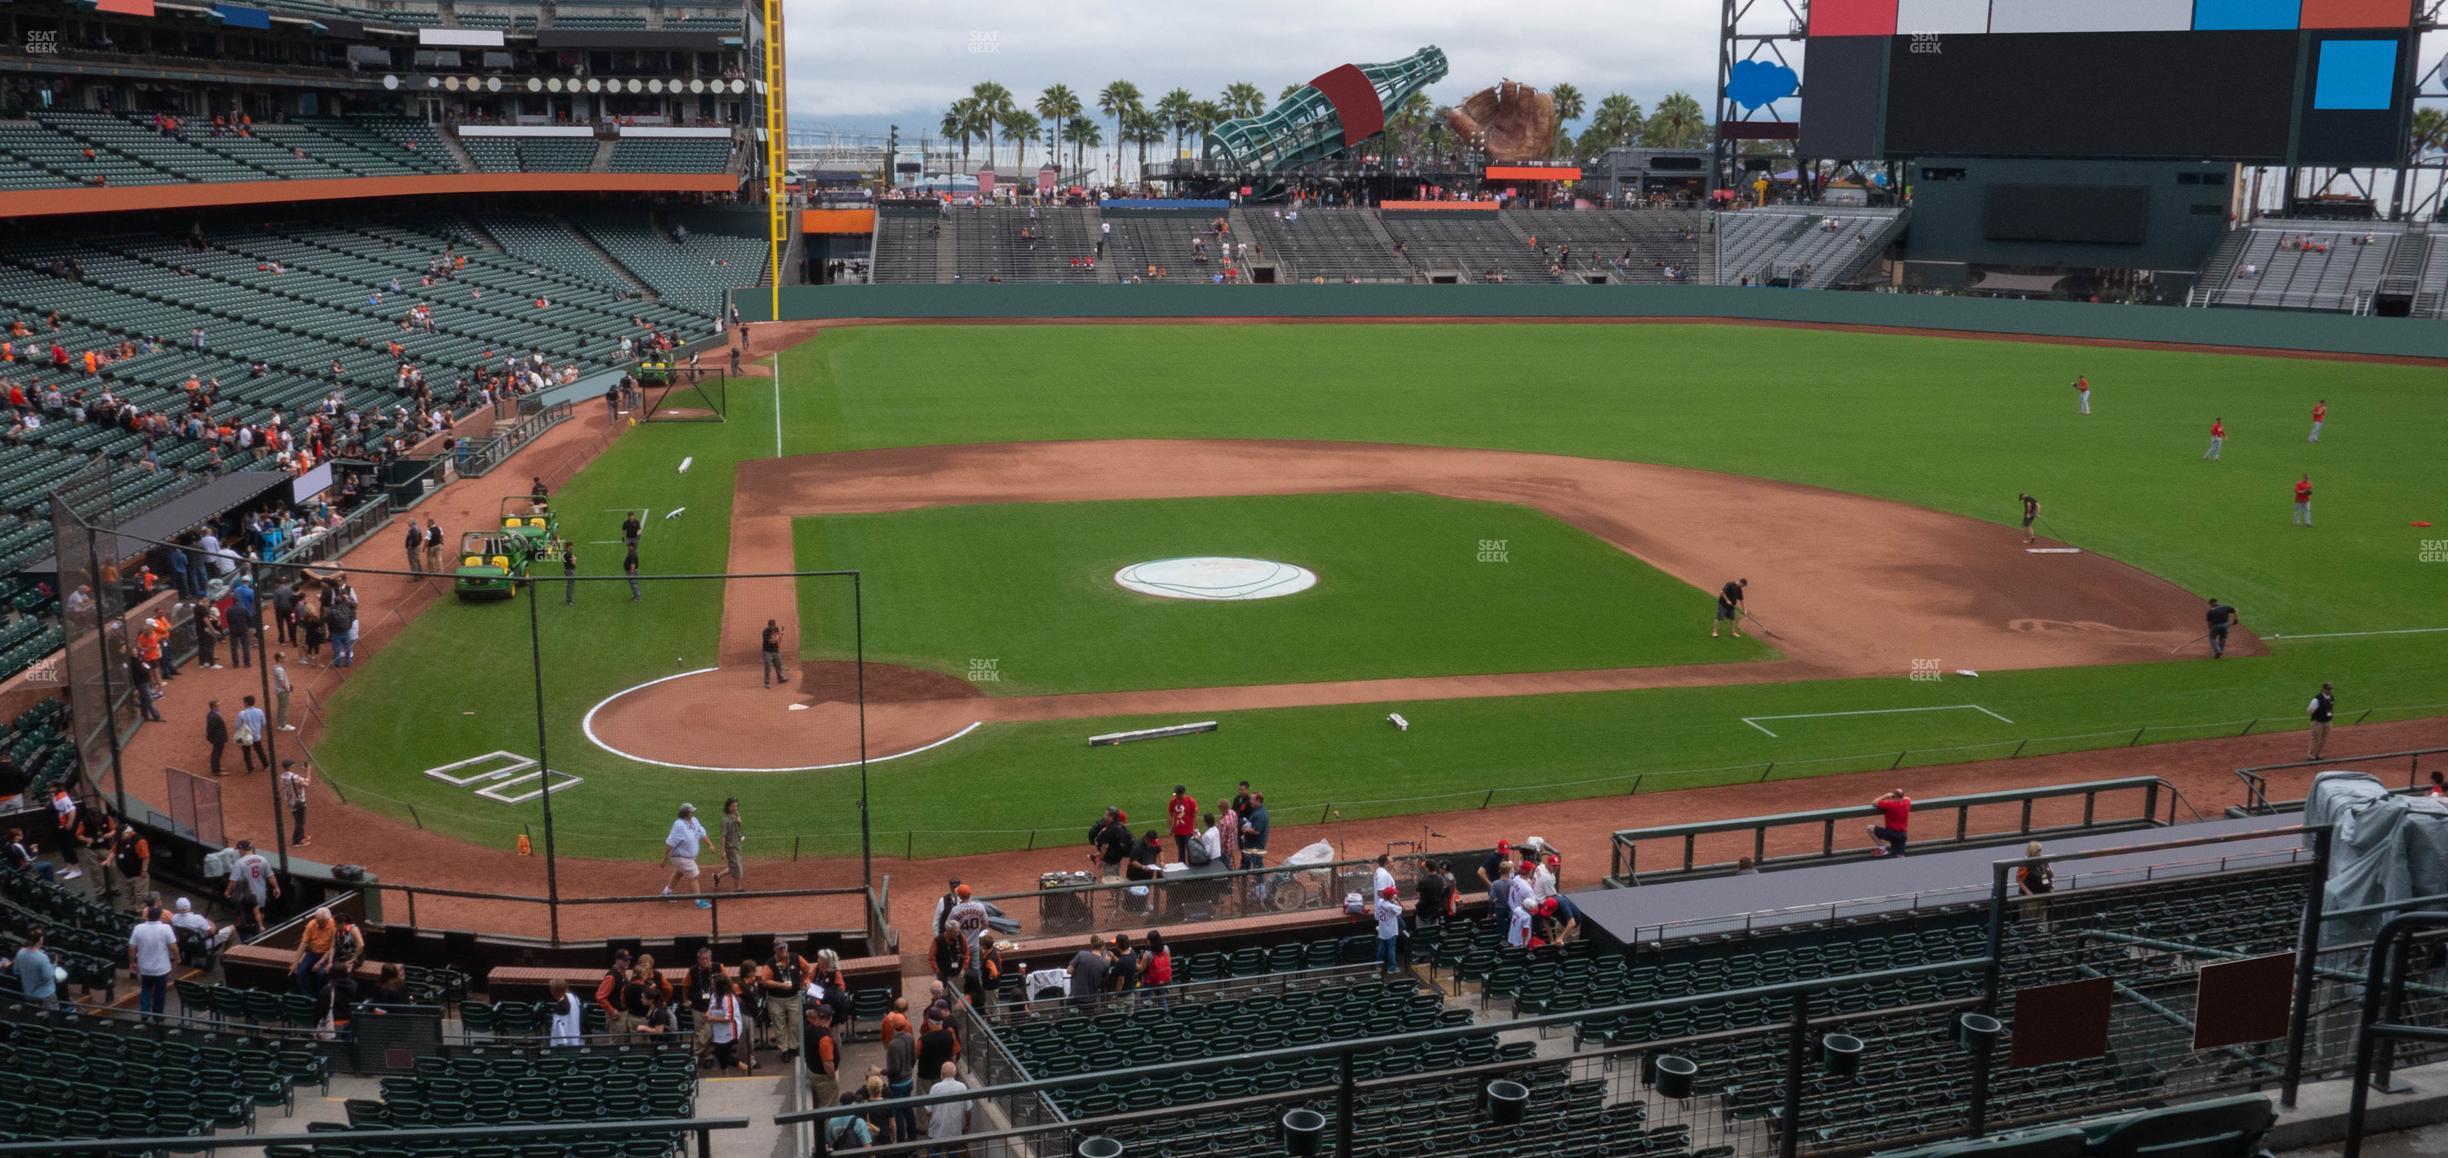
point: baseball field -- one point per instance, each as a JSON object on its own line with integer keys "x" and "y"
{"x": 1517, "y": 532}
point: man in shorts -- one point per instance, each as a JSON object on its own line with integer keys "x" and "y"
{"x": 1730, "y": 608}
{"x": 2031, "y": 514}
{"x": 680, "y": 852}
{"x": 1895, "y": 814}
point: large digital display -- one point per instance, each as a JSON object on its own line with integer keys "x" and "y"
{"x": 2311, "y": 82}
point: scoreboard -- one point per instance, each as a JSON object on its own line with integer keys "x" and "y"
{"x": 2300, "y": 82}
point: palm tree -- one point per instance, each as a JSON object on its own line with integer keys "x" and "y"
{"x": 1119, "y": 100}
{"x": 994, "y": 103}
{"x": 1174, "y": 109}
{"x": 1143, "y": 128}
{"x": 1057, "y": 104}
{"x": 1679, "y": 123}
{"x": 1616, "y": 121}
{"x": 2430, "y": 129}
{"x": 1290, "y": 89}
{"x": 960, "y": 121}
{"x": 1085, "y": 134}
{"x": 1020, "y": 126}
{"x": 1410, "y": 121}
{"x": 1205, "y": 115}
{"x": 1569, "y": 105}
{"x": 1242, "y": 99}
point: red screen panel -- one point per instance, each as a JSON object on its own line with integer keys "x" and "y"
{"x": 125, "y": 7}
{"x": 2357, "y": 13}
{"x": 1355, "y": 102}
{"x": 1853, "y": 18}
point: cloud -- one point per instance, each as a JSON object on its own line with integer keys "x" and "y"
{"x": 909, "y": 59}
{"x": 1758, "y": 82}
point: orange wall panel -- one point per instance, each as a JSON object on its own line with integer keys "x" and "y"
{"x": 125, "y": 198}
{"x": 837, "y": 221}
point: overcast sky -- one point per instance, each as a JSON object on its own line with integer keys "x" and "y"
{"x": 858, "y": 64}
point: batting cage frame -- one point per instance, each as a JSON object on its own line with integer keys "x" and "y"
{"x": 687, "y": 396}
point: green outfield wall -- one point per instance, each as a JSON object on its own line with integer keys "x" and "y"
{"x": 2253, "y": 329}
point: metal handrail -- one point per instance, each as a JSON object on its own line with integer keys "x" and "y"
{"x": 715, "y": 900}
{"x": 189, "y": 1143}
{"x": 1625, "y": 852}
{"x": 1412, "y": 1038}
{"x": 2256, "y": 780}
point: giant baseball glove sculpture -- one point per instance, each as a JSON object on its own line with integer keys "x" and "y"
{"x": 1515, "y": 121}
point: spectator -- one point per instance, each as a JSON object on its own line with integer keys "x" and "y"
{"x": 784, "y": 980}
{"x": 1895, "y": 813}
{"x": 1156, "y": 964}
{"x": 1183, "y": 811}
{"x": 131, "y": 856}
{"x": 293, "y": 793}
{"x": 608, "y": 988}
{"x": 1089, "y": 968}
{"x": 723, "y": 1025}
{"x": 1436, "y": 895}
{"x": 311, "y": 966}
{"x": 1389, "y": 928}
{"x": 658, "y": 1019}
{"x": 938, "y": 1046}
{"x": 700, "y": 983}
{"x": 1254, "y": 832}
{"x": 947, "y": 1121}
{"x": 1109, "y": 842}
{"x": 250, "y": 736}
{"x": 37, "y": 974}
{"x": 1383, "y": 877}
{"x": 152, "y": 953}
{"x": 21, "y": 859}
{"x": 680, "y": 852}
{"x": 951, "y": 954}
{"x": 900, "y": 1067}
{"x": 824, "y": 1056}
{"x": 2037, "y": 878}
{"x": 565, "y": 1015}
{"x": 215, "y": 938}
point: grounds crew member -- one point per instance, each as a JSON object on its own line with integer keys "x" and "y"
{"x": 2221, "y": 618}
{"x": 2031, "y": 514}
{"x": 1730, "y": 607}
{"x": 2321, "y": 710}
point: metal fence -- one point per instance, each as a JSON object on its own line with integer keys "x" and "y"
{"x": 476, "y": 457}
{"x": 2256, "y": 779}
{"x": 195, "y": 807}
{"x": 1206, "y": 894}
{"x": 1981, "y": 818}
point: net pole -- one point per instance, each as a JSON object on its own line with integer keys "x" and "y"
{"x": 535, "y": 671}
{"x": 858, "y": 645}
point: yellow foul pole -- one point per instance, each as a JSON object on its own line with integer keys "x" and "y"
{"x": 777, "y": 148}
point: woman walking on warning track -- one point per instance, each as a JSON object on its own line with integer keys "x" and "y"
{"x": 1730, "y": 607}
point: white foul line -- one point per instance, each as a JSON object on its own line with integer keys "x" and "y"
{"x": 777, "y": 381}
{"x": 1754, "y": 721}
{"x": 587, "y": 725}
{"x": 2359, "y": 634}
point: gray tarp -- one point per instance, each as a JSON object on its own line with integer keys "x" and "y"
{"x": 2387, "y": 847}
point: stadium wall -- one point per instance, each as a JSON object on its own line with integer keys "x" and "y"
{"x": 2249, "y": 329}
{"x": 197, "y": 195}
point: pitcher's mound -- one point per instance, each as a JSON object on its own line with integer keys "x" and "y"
{"x": 1216, "y": 578}
{"x": 724, "y": 719}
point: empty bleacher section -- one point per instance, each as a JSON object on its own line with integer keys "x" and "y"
{"x": 907, "y": 239}
{"x": 1153, "y": 240}
{"x": 1472, "y": 246}
{"x": 671, "y": 155}
{"x": 1639, "y": 247}
{"x": 2306, "y": 266}
{"x": 1002, "y": 243}
{"x": 694, "y": 272}
{"x": 1814, "y": 248}
{"x": 495, "y": 1086}
{"x": 1330, "y": 245}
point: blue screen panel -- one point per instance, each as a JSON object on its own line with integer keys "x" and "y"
{"x": 2240, "y": 15}
{"x": 2356, "y": 74}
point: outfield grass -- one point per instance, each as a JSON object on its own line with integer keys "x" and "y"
{"x": 1959, "y": 425}
{"x": 1403, "y": 591}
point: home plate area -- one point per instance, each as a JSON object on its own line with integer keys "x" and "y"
{"x": 505, "y": 777}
